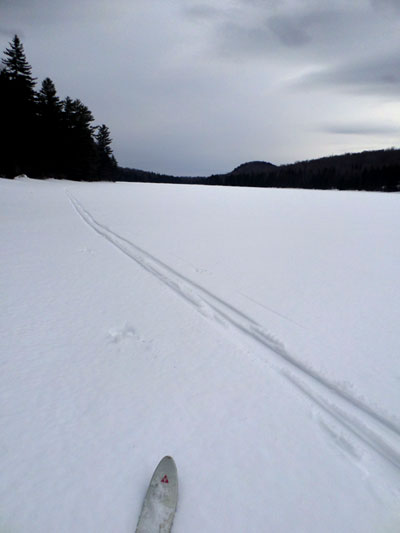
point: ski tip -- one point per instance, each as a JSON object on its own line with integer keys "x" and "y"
{"x": 167, "y": 460}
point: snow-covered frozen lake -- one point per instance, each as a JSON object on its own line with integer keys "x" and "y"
{"x": 252, "y": 334}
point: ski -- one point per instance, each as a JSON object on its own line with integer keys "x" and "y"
{"x": 161, "y": 498}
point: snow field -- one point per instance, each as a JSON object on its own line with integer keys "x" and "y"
{"x": 250, "y": 334}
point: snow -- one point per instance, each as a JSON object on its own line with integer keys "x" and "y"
{"x": 252, "y": 334}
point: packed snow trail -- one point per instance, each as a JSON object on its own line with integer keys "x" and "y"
{"x": 380, "y": 433}
{"x": 250, "y": 334}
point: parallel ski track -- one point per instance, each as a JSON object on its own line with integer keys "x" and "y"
{"x": 374, "y": 429}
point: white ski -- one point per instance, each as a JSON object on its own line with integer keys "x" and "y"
{"x": 160, "y": 502}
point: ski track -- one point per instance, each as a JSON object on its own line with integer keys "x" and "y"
{"x": 377, "y": 431}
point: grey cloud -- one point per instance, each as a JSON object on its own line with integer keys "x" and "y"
{"x": 9, "y": 33}
{"x": 29, "y": 13}
{"x": 301, "y": 27}
{"x": 321, "y": 30}
{"x": 357, "y": 49}
{"x": 236, "y": 39}
{"x": 202, "y": 12}
{"x": 5, "y": 3}
{"x": 261, "y": 38}
{"x": 380, "y": 75}
{"x": 288, "y": 31}
{"x": 361, "y": 129}
{"x": 393, "y": 5}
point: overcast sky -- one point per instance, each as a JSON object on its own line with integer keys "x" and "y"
{"x": 192, "y": 88}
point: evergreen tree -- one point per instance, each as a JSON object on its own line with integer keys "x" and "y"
{"x": 106, "y": 163}
{"x": 80, "y": 157}
{"x": 49, "y": 110}
{"x": 43, "y": 136}
{"x": 16, "y": 64}
{"x": 104, "y": 140}
{"x": 49, "y": 104}
{"x": 19, "y": 112}
{"x": 78, "y": 116}
{"x": 7, "y": 162}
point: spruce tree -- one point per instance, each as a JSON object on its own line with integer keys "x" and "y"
{"x": 106, "y": 163}
{"x": 19, "y": 117}
{"x": 7, "y": 163}
{"x": 80, "y": 156}
{"x": 104, "y": 140}
{"x": 49, "y": 129}
{"x": 43, "y": 136}
{"x": 48, "y": 102}
{"x": 16, "y": 64}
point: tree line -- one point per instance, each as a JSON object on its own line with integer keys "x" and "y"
{"x": 44, "y": 136}
{"x": 377, "y": 170}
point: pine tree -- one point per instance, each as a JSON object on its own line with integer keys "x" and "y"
{"x": 43, "y": 136}
{"x": 104, "y": 140}
{"x": 106, "y": 163}
{"x": 49, "y": 110}
{"x": 16, "y": 64}
{"x": 7, "y": 163}
{"x": 19, "y": 118}
{"x": 80, "y": 148}
{"x": 82, "y": 118}
{"x": 48, "y": 102}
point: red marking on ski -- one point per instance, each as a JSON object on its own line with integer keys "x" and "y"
{"x": 165, "y": 479}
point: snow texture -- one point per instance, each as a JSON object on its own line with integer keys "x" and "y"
{"x": 252, "y": 334}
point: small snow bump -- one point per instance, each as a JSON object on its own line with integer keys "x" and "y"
{"x": 118, "y": 334}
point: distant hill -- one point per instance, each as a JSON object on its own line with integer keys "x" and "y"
{"x": 254, "y": 167}
{"x": 377, "y": 170}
